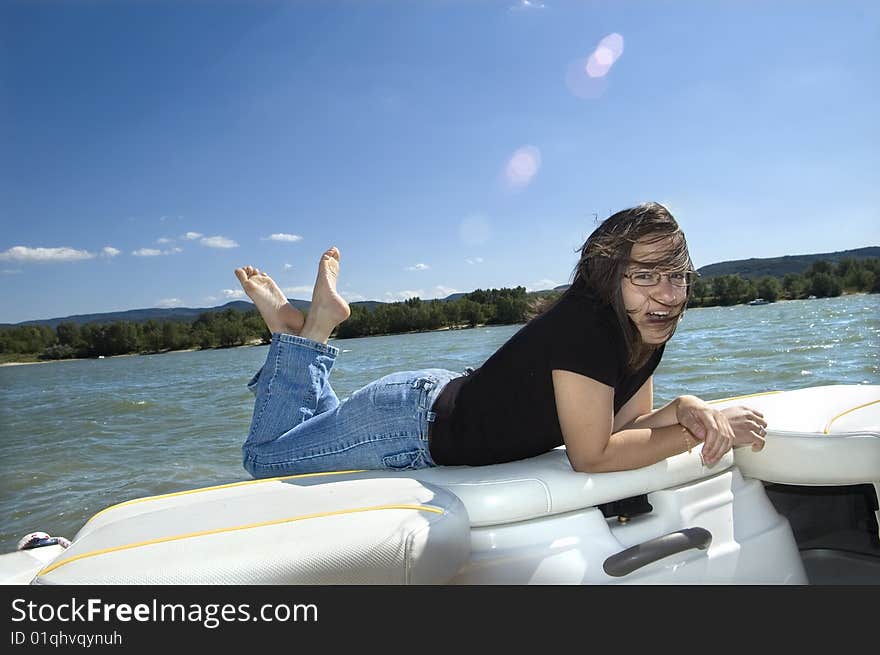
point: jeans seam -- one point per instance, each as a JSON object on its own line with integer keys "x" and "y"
{"x": 259, "y": 416}
{"x": 323, "y": 348}
{"x": 330, "y": 453}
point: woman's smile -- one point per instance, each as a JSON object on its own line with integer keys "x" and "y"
{"x": 654, "y": 309}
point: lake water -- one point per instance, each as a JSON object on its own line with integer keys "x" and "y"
{"x": 78, "y": 436}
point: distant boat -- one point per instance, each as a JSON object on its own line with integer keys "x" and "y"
{"x": 100, "y": 356}
{"x": 811, "y": 297}
{"x": 759, "y": 301}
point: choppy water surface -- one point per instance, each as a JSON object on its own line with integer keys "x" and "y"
{"x": 78, "y": 436}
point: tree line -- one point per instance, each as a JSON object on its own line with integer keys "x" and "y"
{"x": 232, "y": 327}
{"x": 226, "y": 328}
{"x": 823, "y": 279}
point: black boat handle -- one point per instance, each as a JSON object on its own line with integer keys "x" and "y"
{"x": 627, "y": 561}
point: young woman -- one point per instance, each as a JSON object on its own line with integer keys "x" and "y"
{"x": 579, "y": 374}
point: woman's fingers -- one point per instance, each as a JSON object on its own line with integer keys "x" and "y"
{"x": 714, "y": 445}
{"x": 724, "y": 441}
{"x": 758, "y": 441}
{"x": 704, "y": 426}
{"x": 759, "y": 427}
{"x": 692, "y": 422}
{"x": 721, "y": 430}
{"x": 756, "y": 417}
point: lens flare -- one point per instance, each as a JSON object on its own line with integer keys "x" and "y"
{"x": 614, "y": 43}
{"x": 604, "y": 56}
{"x": 522, "y": 166}
{"x": 600, "y": 62}
{"x": 582, "y": 84}
{"x": 586, "y": 78}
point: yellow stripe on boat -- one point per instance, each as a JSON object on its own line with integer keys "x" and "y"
{"x": 190, "y": 535}
{"x": 220, "y": 486}
{"x": 751, "y": 395}
{"x": 828, "y": 425}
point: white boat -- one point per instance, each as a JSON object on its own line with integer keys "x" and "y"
{"x": 759, "y": 301}
{"x": 753, "y": 518}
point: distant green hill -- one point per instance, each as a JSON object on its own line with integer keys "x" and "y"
{"x": 780, "y": 266}
{"x": 160, "y": 314}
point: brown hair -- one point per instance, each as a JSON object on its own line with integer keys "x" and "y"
{"x": 607, "y": 253}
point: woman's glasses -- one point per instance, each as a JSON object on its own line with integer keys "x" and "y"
{"x": 652, "y": 278}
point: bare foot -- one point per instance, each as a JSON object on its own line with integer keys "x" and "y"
{"x": 279, "y": 314}
{"x": 328, "y": 308}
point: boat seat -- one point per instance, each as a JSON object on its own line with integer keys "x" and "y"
{"x": 275, "y": 531}
{"x": 346, "y": 527}
{"x": 817, "y": 436}
{"x": 546, "y": 485}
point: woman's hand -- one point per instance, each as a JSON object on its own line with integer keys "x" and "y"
{"x": 709, "y": 425}
{"x": 749, "y": 426}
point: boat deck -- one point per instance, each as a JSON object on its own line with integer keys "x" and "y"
{"x": 836, "y": 531}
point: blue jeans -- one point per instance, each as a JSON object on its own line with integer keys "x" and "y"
{"x": 300, "y": 426}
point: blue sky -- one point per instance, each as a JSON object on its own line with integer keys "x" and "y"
{"x": 148, "y": 149}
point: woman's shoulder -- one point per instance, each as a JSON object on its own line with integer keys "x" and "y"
{"x": 582, "y": 306}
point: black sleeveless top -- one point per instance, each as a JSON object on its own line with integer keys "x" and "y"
{"x": 506, "y": 409}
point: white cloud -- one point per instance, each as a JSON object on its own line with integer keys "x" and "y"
{"x": 211, "y": 298}
{"x": 354, "y": 297}
{"x": 192, "y": 236}
{"x": 475, "y": 260}
{"x": 11, "y": 271}
{"x": 170, "y": 302}
{"x": 541, "y": 285}
{"x": 441, "y": 292}
{"x": 110, "y": 251}
{"x": 418, "y": 267}
{"x": 234, "y": 294}
{"x": 287, "y": 267}
{"x": 164, "y": 240}
{"x": 27, "y": 254}
{"x": 154, "y": 252}
{"x": 394, "y": 296}
{"x": 218, "y": 242}
{"x": 281, "y": 236}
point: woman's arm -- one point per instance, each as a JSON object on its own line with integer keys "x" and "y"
{"x": 596, "y": 440}
{"x": 586, "y": 415}
{"x": 639, "y": 412}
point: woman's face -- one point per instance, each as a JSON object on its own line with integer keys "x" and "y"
{"x": 654, "y": 310}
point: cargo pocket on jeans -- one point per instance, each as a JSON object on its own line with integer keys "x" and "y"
{"x": 405, "y": 461}
{"x": 424, "y": 385}
{"x": 399, "y": 391}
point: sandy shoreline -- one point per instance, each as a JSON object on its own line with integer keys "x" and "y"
{"x": 73, "y": 359}
{"x": 250, "y": 344}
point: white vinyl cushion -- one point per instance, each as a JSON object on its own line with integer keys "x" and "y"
{"x": 827, "y": 435}
{"x": 547, "y": 485}
{"x": 277, "y": 531}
